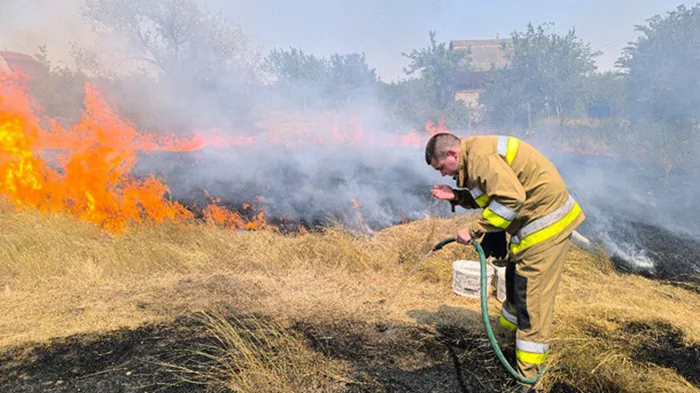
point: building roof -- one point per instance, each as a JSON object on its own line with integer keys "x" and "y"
{"x": 486, "y": 54}
{"x": 16, "y": 56}
{"x": 458, "y": 44}
{"x": 15, "y": 61}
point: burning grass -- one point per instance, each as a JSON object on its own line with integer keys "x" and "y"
{"x": 329, "y": 301}
{"x": 89, "y": 176}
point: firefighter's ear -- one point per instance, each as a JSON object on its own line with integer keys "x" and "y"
{"x": 452, "y": 152}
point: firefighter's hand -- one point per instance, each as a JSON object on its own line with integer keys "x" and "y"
{"x": 443, "y": 192}
{"x": 463, "y": 236}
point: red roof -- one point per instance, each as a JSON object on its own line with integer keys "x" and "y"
{"x": 16, "y": 57}
{"x": 18, "y": 62}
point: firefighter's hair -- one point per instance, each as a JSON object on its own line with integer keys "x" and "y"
{"x": 438, "y": 144}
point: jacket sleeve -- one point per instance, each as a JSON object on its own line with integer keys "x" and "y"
{"x": 463, "y": 199}
{"x": 496, "y": 178}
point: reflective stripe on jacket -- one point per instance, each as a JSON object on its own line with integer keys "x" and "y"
{"x": 519, "y": 189}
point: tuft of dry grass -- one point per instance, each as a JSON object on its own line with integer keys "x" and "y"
{"x": 60, "y": 276}
{"x": 255, "y": 354}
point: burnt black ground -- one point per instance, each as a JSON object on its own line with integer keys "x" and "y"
{"x": 123, "y": 361}
{"x": 126, "y": 361}
{"x": 446, "y": 359}
{"x": 663, "y": 345}
{"x": 676, "y": 256}
{"x": 429, "y": 357}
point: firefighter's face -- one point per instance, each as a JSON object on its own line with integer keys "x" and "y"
{"x": 448, "y": 165}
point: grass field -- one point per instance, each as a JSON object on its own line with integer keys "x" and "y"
{"x": 312, "y": 312}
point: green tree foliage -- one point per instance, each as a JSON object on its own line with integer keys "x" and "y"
{"x": 300, "y": 77}
{"x": 175, "y": 36}
{"x": 294, "y": 66}
{"x": 428, "y": 93}
{"x": 204, "y": 69}
{"x": 438, "y": 65}
{"x": 663, "y": 82}
{"x": 350, "y": 71}
{"x": 320, "y": 81}
{"x": 545, "y": 77}
{"x": 407, "y": 101}
{"x": 663, "y": 67}
{"x": 606, "y": 94}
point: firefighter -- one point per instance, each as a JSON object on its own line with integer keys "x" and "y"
{"x": 521, "y": 194}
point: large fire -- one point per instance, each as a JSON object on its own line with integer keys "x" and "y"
{"x": 85, "y": 170}
{"x": 91, "y": 176}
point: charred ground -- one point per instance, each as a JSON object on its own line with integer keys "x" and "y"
{"x": 451, "y": 359}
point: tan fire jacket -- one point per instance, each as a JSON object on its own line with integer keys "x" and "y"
{"x": 520, "y": 191}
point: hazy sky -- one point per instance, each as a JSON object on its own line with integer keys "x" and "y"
{"x": 381, "y": 29}
{"x": 384, "y": 29}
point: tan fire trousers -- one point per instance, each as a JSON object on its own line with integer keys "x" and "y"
{"x": 531, "y": 286}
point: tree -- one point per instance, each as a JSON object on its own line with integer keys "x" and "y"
{"x": 350, "y": 77}
{"x": 406, "y": 99}
{"x": 317, "y": 79}
{"x": 663, "y": 82}
{"x": 58, "y": 89}
{"x": 300, "y": 77}
{"x": 295, "y": 66}
{"x": 175, "y": 36}
{"x": 606, "y": 94}
{"x": 351, "y": 71}
{"x": 545, "y": 76}
{"x": 204, "y": 70}
{"x": 438, "y": 66}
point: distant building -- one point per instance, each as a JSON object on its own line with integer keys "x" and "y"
{"x": 17, "y": 62}
{"x": 488, "y": 58}
{"x": 486, "y": 54}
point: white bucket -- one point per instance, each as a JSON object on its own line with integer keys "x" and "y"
{"x": 501, "y": 283}
{"x": 466, "y": 278}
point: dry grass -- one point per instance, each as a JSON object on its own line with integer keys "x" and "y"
{"x": 258, "y": 355}
{"x": 59, "y": 276}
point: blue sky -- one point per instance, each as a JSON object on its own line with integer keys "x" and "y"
{"x": 384, "y": 29}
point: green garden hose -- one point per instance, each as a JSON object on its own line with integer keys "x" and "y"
{"x": 485, "y": 313}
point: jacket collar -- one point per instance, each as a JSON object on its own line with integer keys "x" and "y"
{"x": 461, "y": 177}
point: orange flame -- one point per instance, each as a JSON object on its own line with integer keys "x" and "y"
{"x": 92, "y": 181}
{"x": 216, "y": 214}
{"x": 433, "y": 129}
{"x": 360, "y": 218}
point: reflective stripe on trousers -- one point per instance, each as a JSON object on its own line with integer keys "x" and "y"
{"x": 508, "y": 320}
{"x": 531, "y": 352}
{"x": 545, "y": 227}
